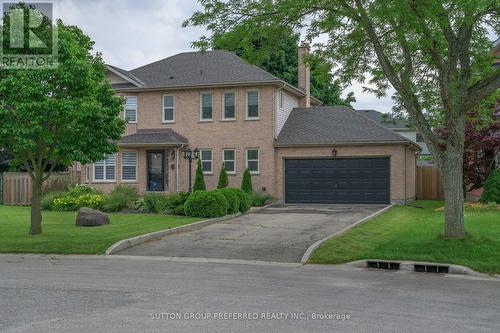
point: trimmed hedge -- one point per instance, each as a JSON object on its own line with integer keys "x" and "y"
{"x": 206, "y": 204}
{"x": 246, "y": 182}
{"x": 245, "y": 199}
{"x": 175, "y": 203}
{"x": 232, "y": 198}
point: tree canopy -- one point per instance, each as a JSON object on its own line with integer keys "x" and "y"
{"x": 56, "y": 116}
{"x": 435, "y": 54}
{"x": 275, "y": 50}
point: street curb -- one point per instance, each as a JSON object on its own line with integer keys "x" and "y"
{"x": 208, "y": 260}
{"x": 129, "y": 242}
{"x": 409, "y": 266}
{"x": 314, "y": 246}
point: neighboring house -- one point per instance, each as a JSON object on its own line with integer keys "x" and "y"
{"x": 243, "y": 117}
{"x": 400, "y": 126}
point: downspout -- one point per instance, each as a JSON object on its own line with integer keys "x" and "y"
{"x": 276, "y": 108}
{"x": 177, "y": 169}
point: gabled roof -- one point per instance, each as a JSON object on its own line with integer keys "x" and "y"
{"x": 385, "y": 119}
{"x": 191, "y": 69}
{"x": 160, "y": 136}
{"x": 200, "y": 68}
{"x": 126, "y": 75}
{"x": 333, "y": 125}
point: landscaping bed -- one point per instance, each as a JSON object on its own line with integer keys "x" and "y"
{"x": 409, "y": 233}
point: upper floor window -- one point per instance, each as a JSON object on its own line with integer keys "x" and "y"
{"x": 168, "y": 109}
{"x": 252, "y": 160}
{"x": 229, "y": 106}
{"x": 104, "y": 170}
{"x": 229, "y": 160}
{"x": 282, "y": 100}
{"x": 252, "y": 105}
{"x": 206, "y": 160}
{"x": 129, "y": 166}
{"x": 206, "y": 106}
{"x": 130, "y": 111}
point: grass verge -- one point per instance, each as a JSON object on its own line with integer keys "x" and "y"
{"x": 408, "y": 233}
{"x": 60, "y": 235}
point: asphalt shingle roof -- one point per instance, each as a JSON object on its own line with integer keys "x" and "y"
{"x": 333, "y": 124}
{"x": 153, "y": 136}
{"x": 198, "y": 68}
{"x": 384, "y": 119}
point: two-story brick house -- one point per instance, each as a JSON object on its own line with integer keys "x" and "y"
{"x": 241, "y": 116}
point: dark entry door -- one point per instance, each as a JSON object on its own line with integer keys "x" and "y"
{"x": 156, "y": 171}
{"x": 337, "y": 181}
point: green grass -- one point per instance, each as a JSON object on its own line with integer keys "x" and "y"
{"x": 60, "y": 235}
{"x": 407, "y": 233}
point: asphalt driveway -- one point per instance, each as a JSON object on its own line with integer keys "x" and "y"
{"x": 281, "y": 234}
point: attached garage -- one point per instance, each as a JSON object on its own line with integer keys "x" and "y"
{"x": 337, "y": 180}
{"x": 333, "y": 155}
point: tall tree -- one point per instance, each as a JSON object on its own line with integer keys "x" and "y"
{"x": 54, "y": 116}
{"x": 427, "y": 50}
{"x": 275, "y": 50}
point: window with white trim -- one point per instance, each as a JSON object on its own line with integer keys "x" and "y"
{"x": 168, "y": 109}
{"x": 229, "y": 160}
{"x": 282, "y": 100}
{"x": 229, "y": 106}
{"x": 206, "y": 106}
{"x": 130, "y": 112}
{"x": 105, "y": 169}
{"x": 206, "y": 159}
{"x": 252, "y": 160}
{"x": 129, "y": 166}
{"x": 252, "y": 104}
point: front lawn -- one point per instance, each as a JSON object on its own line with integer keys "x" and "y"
{"x": 60, "y": 235}
{"x": 407, "y": 233}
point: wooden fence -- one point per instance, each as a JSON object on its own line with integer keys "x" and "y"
{"x": 16, "y": 186}
{"x": 429, "y": 184}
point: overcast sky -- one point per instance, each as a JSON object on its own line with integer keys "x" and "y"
{"x": 131, "y": 33}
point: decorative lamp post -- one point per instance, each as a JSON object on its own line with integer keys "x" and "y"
{"x": 190, "y": 155}
{"x": 334, "y": 152}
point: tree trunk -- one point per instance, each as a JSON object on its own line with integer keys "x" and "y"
{"x": 452, "y": 176}
{"x": 36, "y": 207}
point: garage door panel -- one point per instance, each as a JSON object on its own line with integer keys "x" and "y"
{"x": 340, "y": 180}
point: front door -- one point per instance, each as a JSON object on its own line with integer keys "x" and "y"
{"x": 156, "y": 171}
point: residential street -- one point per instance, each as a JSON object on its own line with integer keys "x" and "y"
{"x": 113, "y": 294}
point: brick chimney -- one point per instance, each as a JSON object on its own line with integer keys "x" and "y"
{"x": 304, "y": 79}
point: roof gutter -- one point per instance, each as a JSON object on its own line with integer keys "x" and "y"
{"x": 357, "y": 143}
{"x": 155, "y": 144}
{"x": 285, "y": 85}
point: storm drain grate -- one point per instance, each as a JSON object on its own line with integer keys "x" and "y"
{"x": 431, "y": 268}
{"x": 383, "y": 265}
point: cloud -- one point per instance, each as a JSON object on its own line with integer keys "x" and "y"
{"x": 131, "y": 33}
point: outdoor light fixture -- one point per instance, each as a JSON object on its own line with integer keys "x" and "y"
{"x": 189, "y": 155}
{"x": 334, "y": 152}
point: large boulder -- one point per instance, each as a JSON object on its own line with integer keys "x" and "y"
{"x": 88, "y": 217}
